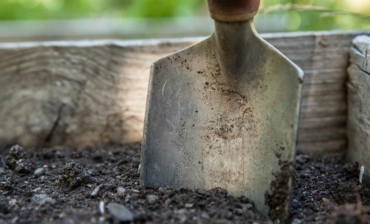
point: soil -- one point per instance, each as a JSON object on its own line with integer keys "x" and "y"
{"x": 67, "y": 185}
{"x": 279, "y": 192}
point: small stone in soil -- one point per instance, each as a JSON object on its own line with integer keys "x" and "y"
{"x": 204, "y": 215}
{"x": 13, "y": 203}
{"x": 189, "y": 205}
{"x": 96, "y": 191}
{"x": 152, "y": 198}
{"x": 167, "y": 202}
{"x": 42, "y": 199}
{"x": 101, "y": 207}
{"x": 120, "y": 212}
{"x": 38, "y": 172}
{"x": 121, "y": 191}
{"x": 182, "y": 215}
{"x": 296, "y": 221}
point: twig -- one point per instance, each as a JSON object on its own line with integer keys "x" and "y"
{"x": 55, "y": 124}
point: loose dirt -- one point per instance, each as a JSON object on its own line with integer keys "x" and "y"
{"x": 66, "y": 185}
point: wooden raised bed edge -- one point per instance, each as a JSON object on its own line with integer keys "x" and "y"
{"x": 79, "y": 93}
{"x": 358, "y": 119}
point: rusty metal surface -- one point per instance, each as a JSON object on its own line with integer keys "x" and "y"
{"x": 223, "y": 113}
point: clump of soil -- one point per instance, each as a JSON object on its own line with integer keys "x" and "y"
{"x": 66, "y": 185}
{"x": 74, "y": 175}
{"x": 279, "y": 193}
{"x": 17, "y": 160}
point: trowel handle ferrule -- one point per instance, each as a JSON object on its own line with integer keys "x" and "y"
{"x": 233, "y": 10}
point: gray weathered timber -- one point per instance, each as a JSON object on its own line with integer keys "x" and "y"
{"x": 94, "y": 92}
{"x": 359, "y": 105}
{"x": 76, "y": 93}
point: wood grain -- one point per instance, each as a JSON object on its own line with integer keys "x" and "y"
{"x": 94, "y": 92}
{"x": 359, "y": 105}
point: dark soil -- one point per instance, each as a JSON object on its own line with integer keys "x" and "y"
{"x": 277, "y": 198}
{"x": 101, "y": 186}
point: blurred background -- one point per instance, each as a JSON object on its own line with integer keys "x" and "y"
{"x": 138, "y": 19}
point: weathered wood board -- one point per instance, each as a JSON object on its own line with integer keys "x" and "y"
{"x": 359, "y": 104}
{"x": 94, "y": 92}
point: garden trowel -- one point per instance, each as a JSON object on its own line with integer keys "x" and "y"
{"x": 224, "y": 113}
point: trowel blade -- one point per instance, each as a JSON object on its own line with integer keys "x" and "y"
{"x": 202, "y": 130}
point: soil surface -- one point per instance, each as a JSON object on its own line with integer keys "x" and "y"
{"x": 66, "y": 185}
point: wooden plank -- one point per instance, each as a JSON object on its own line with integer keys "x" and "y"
{"x": 315, "y": 135}
{"x": 94, "y": 92}
{"x": 325, "y": 75}
{"x": 318, "y": 122}
{"x": 322, "y": 100}
{"x": 360, "y": 55}
{"x": 319, "y": 89}
{"x": 323, "y": 148}
{"x": 337, "y": 110}
{"x": 359, "y": 105}
{"x": 361, "y": 43}
{"x": 365, "y": 65}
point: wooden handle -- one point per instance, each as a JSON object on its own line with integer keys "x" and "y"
{"x": 233, "y": 10}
